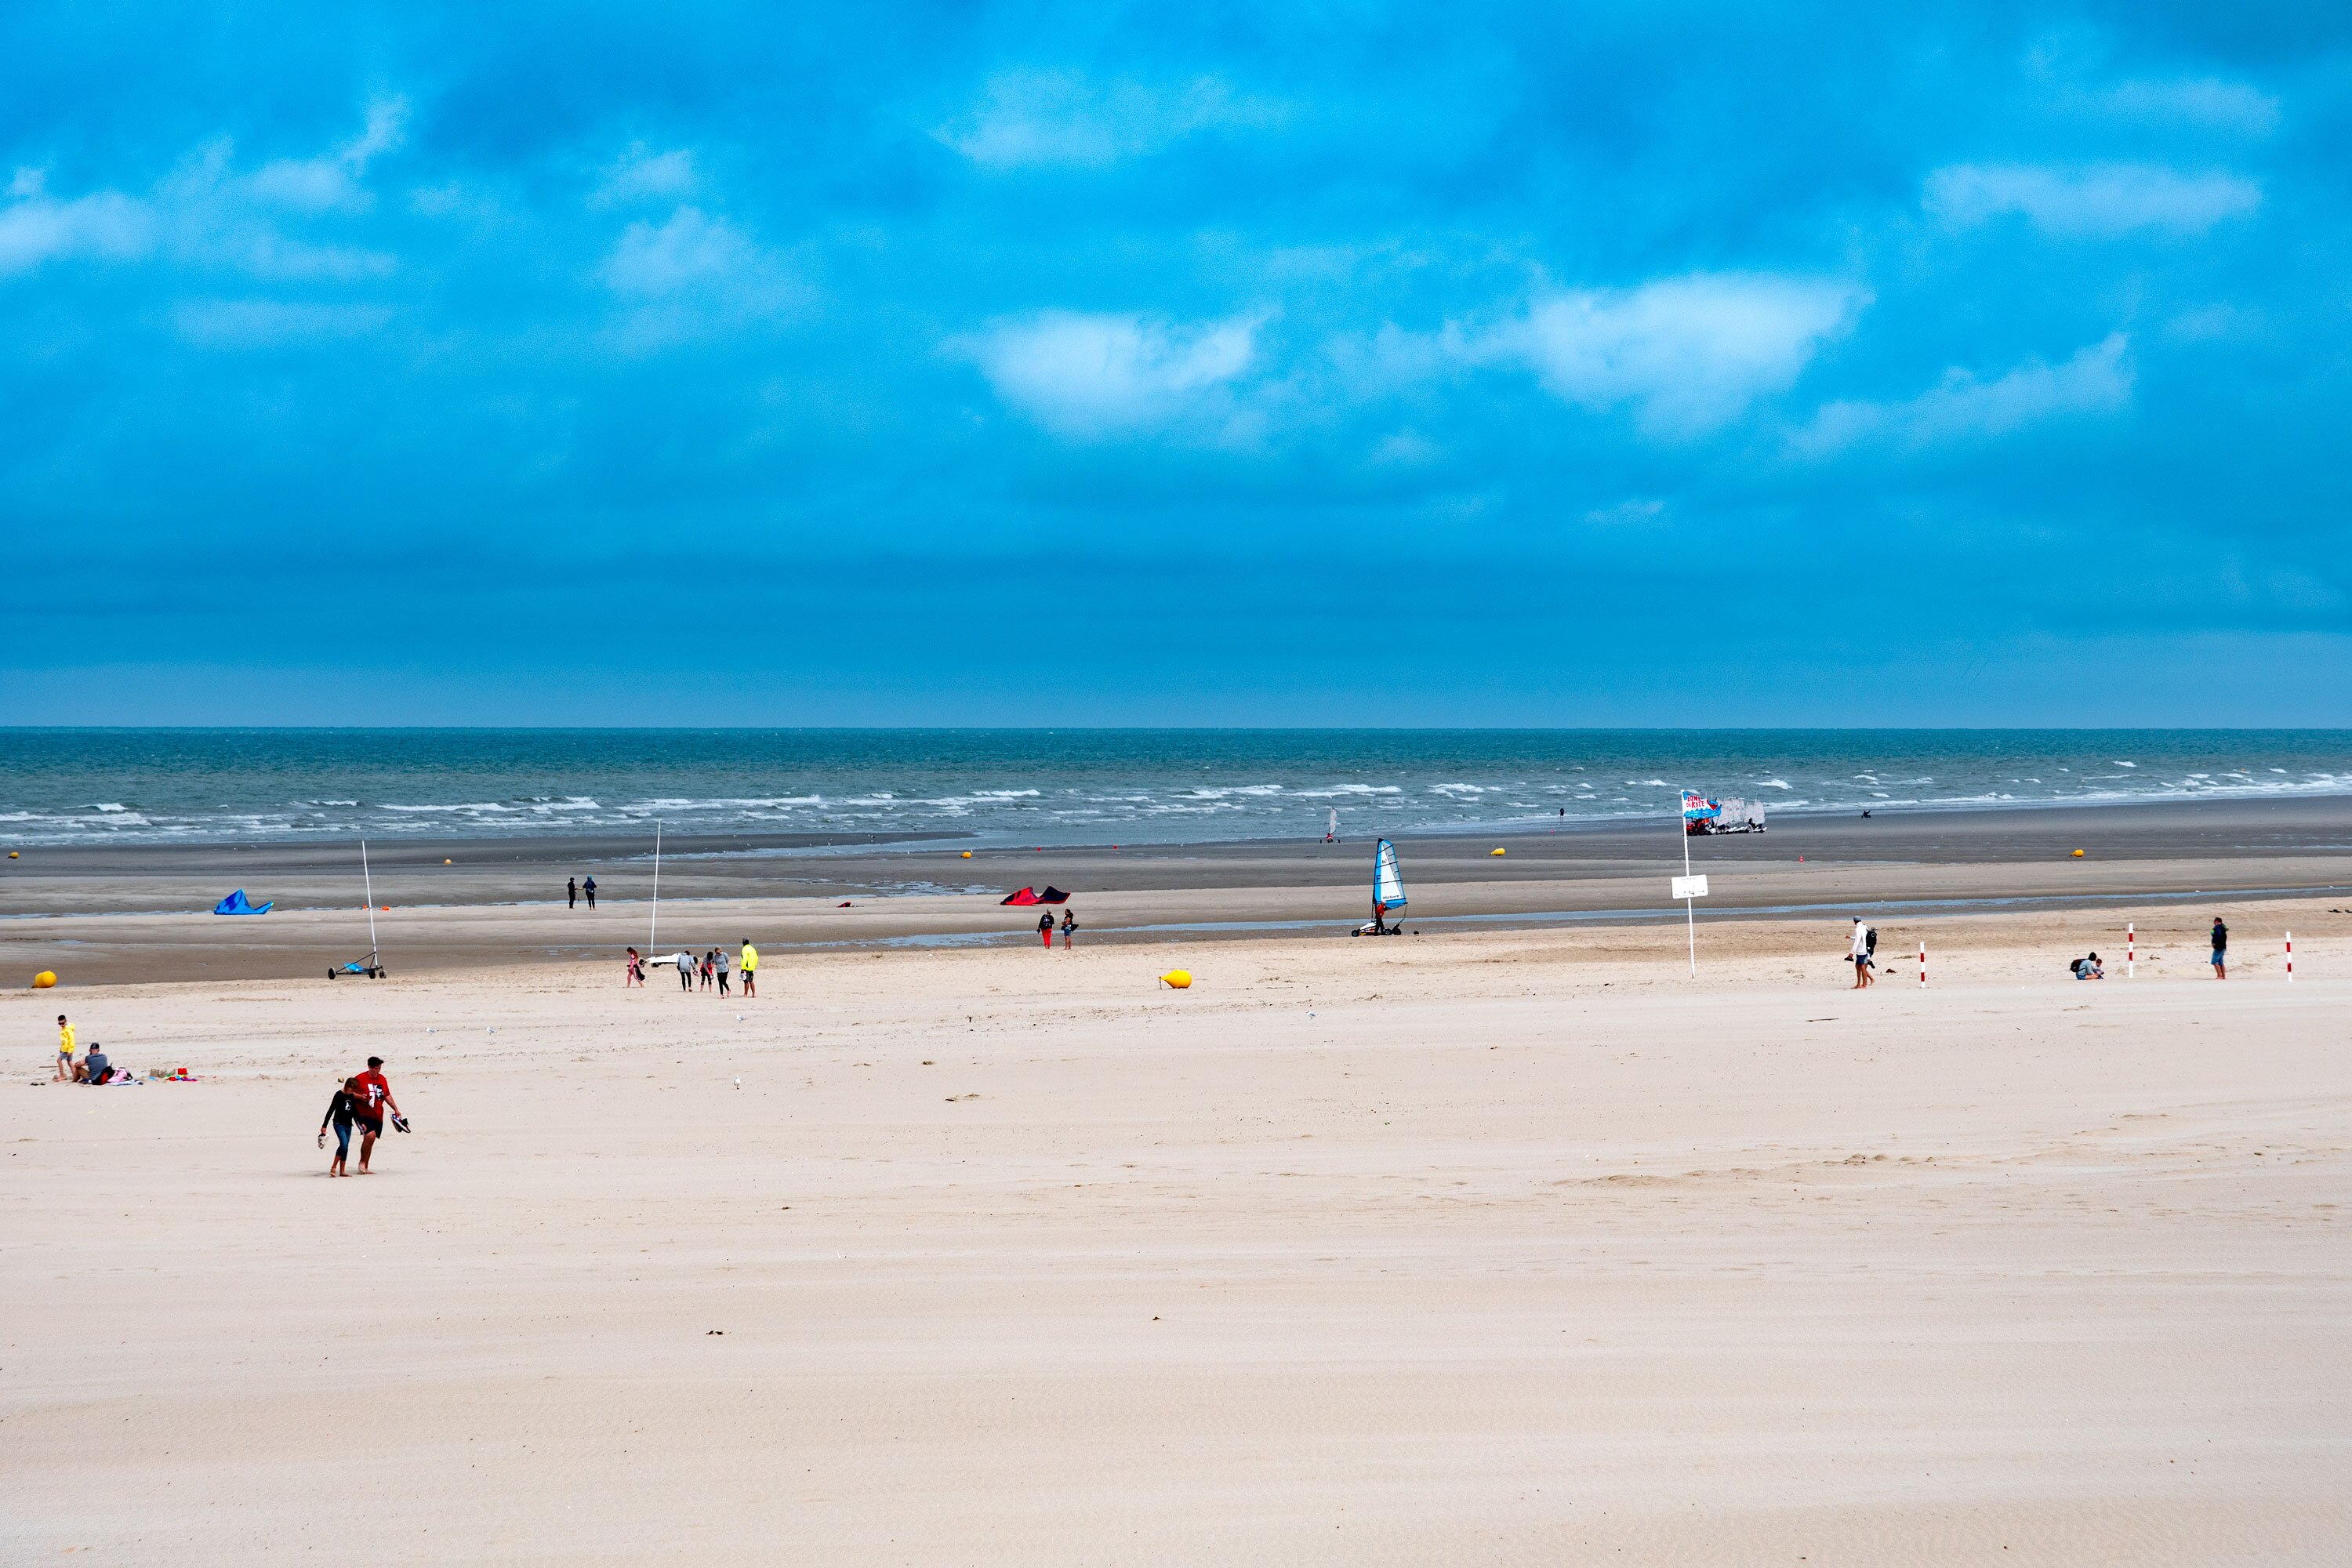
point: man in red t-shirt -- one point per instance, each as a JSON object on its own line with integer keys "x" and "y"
{"x": 374, "y": 1097}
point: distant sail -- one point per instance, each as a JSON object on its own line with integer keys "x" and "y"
{"x": 1388, "y": 887}
{"x": 1333, "y": 831}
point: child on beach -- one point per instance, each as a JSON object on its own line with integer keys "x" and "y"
{"x": 2220, "y": 951}
{"x": 65, "y": 1050}
{"x": 637, "y": 970}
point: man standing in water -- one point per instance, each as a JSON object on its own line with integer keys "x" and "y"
{"x": 2221, "y": 950}
{"x": 372, "y": 1098}
{"x": 749, "y": 965}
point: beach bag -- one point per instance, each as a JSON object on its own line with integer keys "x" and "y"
{"x": 1870, "y": 940}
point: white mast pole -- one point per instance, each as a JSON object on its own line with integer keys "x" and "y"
{"x": 1690, "y": 908}
{"x": 654, "y": 930}
{"x": 368, "y": 881}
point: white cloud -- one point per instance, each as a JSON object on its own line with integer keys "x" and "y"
{"x": 2097, "y": 199}
{"x": 332, "y": 183}
{"x": 694, "y": 273}
{"x": 1036, "y": 117}
{"x": 642, "y": 175}
{"x": 35, "y": 227}
{"x": 1687, "y": 353}
{"x": 1626, "y": 513}
{"x": 272, "y": 323}
{"x": 2096, "y": 380}
{"x": 2207, "y": 102}
{"x": 1096, "y": 375}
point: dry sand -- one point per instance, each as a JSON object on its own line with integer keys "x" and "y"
{"x": 1483, "y": 1246}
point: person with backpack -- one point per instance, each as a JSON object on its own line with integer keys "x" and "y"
{"x": 1865, "y": 944}
{"x": 588, "y": 887}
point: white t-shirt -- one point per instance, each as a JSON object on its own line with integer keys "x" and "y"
{"x": 1860, "y": 940}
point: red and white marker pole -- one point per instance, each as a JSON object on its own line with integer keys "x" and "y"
{"x": 2130, "y": 967}
{"x": 1922, "y": 963}
{"x": 2290, "y": 958}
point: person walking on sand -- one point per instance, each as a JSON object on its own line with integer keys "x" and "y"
{"x": 2220, "y": 951}
{"x": 374, "y": 1097}
{"x": 709, "y": 968}
{"x": 65, "y": 1050}
{"x": 1045, "y": 930}
{"x": 589, "y": 888}
{"x": 342, "y": 1113}
{"x": 1069, "y": 924}
{"x": 719, "y": 961}
{"x": 684, "y": 961}
{"x": 637, "y": 970}
{"x": 749, "y": 965}
{"x": 1864, "y": 939}
{"x": 571, "y": 892}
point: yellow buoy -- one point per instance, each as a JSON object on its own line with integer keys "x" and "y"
{"x": 45, "y": 979}
{"x": 967, "y": 854}
{"x": 2078, "y": 854}
{"x": 1177, "y": 979}
{"x": 12, "y": 853}
{"x": 449, "y": 862}
{"x": 1498, "y": 852}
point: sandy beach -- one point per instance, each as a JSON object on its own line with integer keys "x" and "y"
{"x": 1491, "y": 1245}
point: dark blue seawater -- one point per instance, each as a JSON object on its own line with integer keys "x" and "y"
{"x": 1073, "y": 785}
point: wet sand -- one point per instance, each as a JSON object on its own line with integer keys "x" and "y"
{"x": 111, "y": 915}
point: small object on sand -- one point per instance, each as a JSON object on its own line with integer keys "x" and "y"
{"x": 12, "y": 853}
{"x": 2078, "y": 855}
{"x": 967, "y": 854}
{"x": 45, "y": 979}
{"x": 844, "y": 905}
{"x": 449, "y": 862}
{"x": 1177, "y": 979}
{"x": 1497, "y": 851}
{"x": 739, "y": 1083}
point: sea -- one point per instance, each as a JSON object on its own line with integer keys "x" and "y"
{"x": 1073, "y": 786}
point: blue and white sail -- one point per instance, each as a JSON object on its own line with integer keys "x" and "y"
{"x": 1388, "y": 887}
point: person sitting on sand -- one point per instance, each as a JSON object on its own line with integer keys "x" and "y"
{"x": 2089, "y": 968}
{"x": 635, "y": 973}
{"x": 65, "y": 1050}
{"x": 94, "y": 1066}
{"x": 343, "y": 1113}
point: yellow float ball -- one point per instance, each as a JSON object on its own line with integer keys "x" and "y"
{"x": 45, "y": 979}
{"x": 2078, "y": 854}
{"x": 967, "y": 854}
{"x": 1497, "y": 851}
{"x": 1177, "y": 979}
{"x": 12, "y": 853}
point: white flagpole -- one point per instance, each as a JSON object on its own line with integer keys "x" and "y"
{"x": 368, "y": 881}
{"x": 1690, "y": 907}
{"x": 654, "y": 930}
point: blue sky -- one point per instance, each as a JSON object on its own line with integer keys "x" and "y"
{"x": 1331, "y": 365}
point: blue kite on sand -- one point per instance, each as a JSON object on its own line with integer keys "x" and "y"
{"x": 234, "y": 904}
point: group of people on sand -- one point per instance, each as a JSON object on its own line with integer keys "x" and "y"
{"x": 1045, "y": 928}
{"x": 360, "y": 1106}
{"x": 712, "y": 969}
{"x": 93, "y": 1068}
{"x": 1864, "y": 948}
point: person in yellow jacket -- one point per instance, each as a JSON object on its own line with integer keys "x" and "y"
{"x": 749, "y": 965}
{"x": 65, "y": 1050}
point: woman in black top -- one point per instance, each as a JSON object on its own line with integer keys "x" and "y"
{"x": 341, "y": 1112}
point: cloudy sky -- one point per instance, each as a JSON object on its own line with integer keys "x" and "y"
{"x": 1431, "y": 365}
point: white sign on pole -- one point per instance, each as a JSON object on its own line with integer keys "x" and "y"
{"x": 1690, "y": 887}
